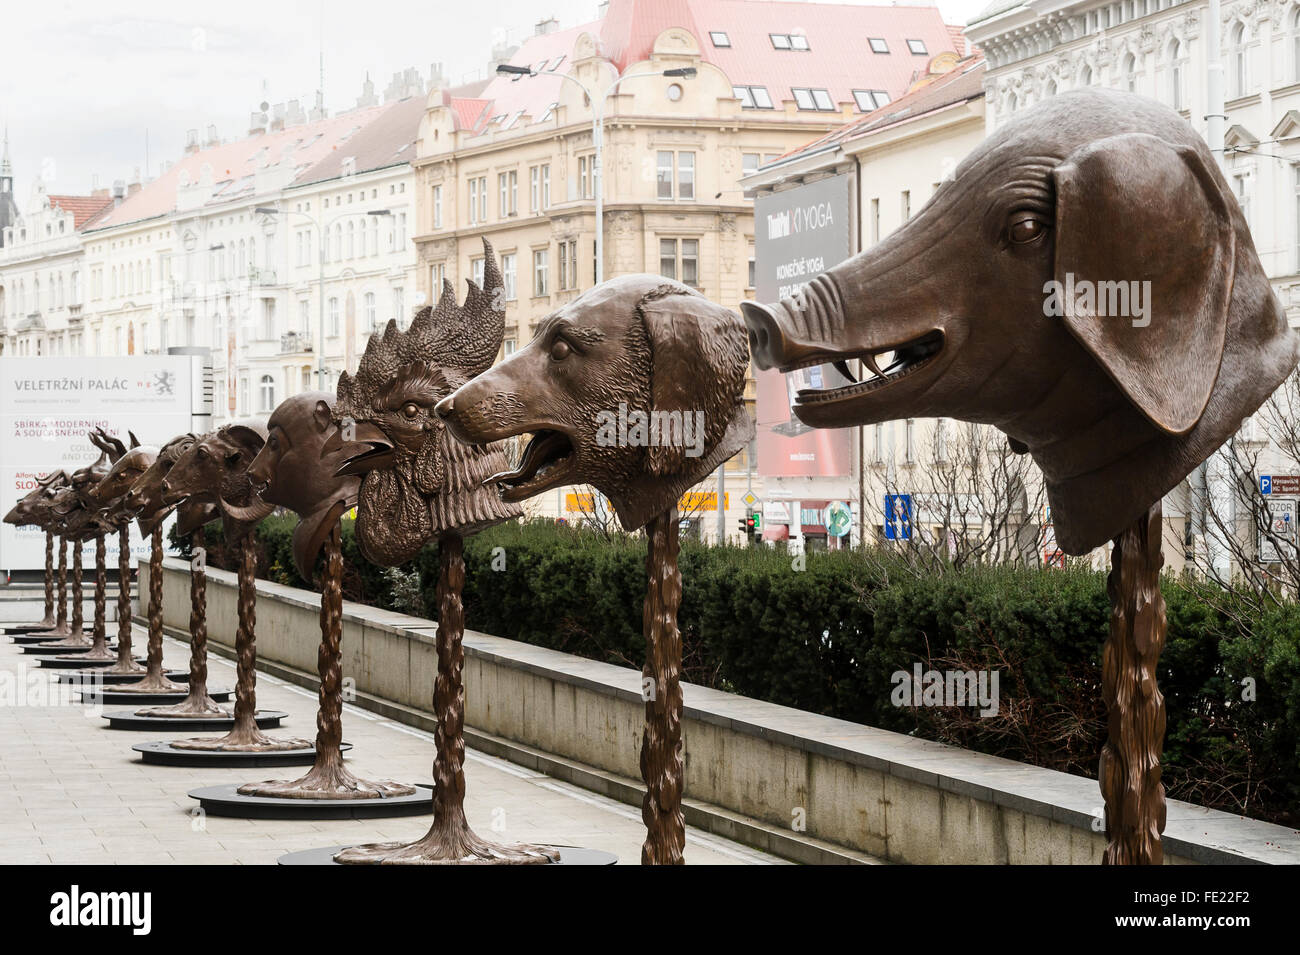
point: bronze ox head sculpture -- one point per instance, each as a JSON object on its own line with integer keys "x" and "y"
{"x": 1085, "y": 282}
{"x": 213, "y": 470}
{"x": 635, "y": 387}
{"x": 34, "y": 507}
{"x": 293, "y": 470}
{"x": 418, "y": 482}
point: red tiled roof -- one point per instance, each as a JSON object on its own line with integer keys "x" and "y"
{"x": 839, "y": 58}
{"x": 964, "y": 82}
{"x": 387, "y": 140}
{"x": 232, "y": 165}
{"x": 84, "y": 209}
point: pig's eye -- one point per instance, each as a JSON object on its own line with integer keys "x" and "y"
{"x": 1025, "y": 227}
{"x": 411, "y": 410}
{"x": 560, "y": 350}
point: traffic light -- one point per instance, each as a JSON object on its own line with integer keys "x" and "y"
{"x": 756, "y": 519}
{"x": 746, "y": 527}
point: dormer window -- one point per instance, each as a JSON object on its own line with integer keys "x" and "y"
{"x": 917, "y": 48}
{"x": 878, "y": 44}
{"x": 719, "y": 38}
{"x": 780, "y": 41}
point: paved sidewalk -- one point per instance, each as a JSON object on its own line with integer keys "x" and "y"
{"x": 73, "y": 792}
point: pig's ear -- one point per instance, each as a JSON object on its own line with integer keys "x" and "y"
{"x": 1136, "y": 216}
{"x": 699, "y": 357}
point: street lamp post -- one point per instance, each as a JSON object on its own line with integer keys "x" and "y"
{"x": 598, "y": 138}
{"x": 320, "y": 270}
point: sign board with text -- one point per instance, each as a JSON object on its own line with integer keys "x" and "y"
{"x": 1280, "y": 542}
{"x": 47, "y": 405}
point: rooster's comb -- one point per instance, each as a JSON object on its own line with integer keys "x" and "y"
{"x": 462, "y": 337}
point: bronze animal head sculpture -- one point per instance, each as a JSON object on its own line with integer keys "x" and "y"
{"x": 33, "y": 508}
{"x": 145, "y": 498}
{"x": 213, "y": 470}
{"x": 635, "y": 387}
{"x": 1086, "y": 283}
{"x": 293, "y": 470}
{"x": 418, "y": 482}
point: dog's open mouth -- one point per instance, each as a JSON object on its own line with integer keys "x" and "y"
{"x": 908, "y": 358}
{"x": 543, "y": 464}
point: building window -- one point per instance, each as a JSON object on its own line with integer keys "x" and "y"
{"x": 268, "y": 320}
{"x": 586, "y": 176}
{"x": 334, "y": 317}
{"x": 437, "y": 275}
{"x": 569, "y": 264}
{"x": 400, "y": 221}
{"x": 1241, "y": 189}
{"x": 1128, "y": 67}
{"x": 267, "y": 392}
{"x": 680, "y": 258}
{"x": 719, "y": 38}
{"x": 868, "y": 100}
{"x": 352, "y": 240}
{"x": 399, "y": 306}
{"x": 1295, "y": 45}
{"x": 1177, "y": 67}
{"x": 1240, "y": 66}
{"x": 878, "y": 45}
{"x": 508, "y": 192}
{"x": 546, "y": 187}
{"x": 541, "y": 272}
{"x": 752, "y": 97}
{"x": 675, "y": 175}
{"x": 910, "y": 451}
{"x": 437, "y": 207}
{"x": 372, "y": 312}
{"x": 780, "y": 41}
{"x": 875, "y": 221}
{"x": 509, "y": 272}
{"x": 878, "y": 448}
{"x": 1296, "y": 173}
{"x": 478, "y": 200}
{"x": 752, "y": 269}
{"x": 304, "y": 317}
{"x": 917, "y": 48}
{"x": 243, "y": 393}
{"x": 813, "y": 99}
{"x": 508, "y": 347}
{"x": 749, "y": 163}
{"x": 906, "y": 204}
{"x": 476, "y": 266}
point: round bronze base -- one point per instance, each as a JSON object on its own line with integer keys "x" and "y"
{"x": 35, "y": 636}
{"x": 114, "y": 697}
{"x": 569, "y": 855}
{"x": 130, "y": 720}
{"x": 40, "y": 650}
{"x": 81, "y": 663}
{"x": 165, "y": 754}
{"x": 226, "y": 801}
{"x": 93, "y": 677}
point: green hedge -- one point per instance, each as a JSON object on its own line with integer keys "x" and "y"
{"x": 828, "y": 637}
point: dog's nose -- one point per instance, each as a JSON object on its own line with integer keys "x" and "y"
{"x": 445, "y": 407}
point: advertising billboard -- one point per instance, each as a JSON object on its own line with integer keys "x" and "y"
{"x": 798, "y": 234}
{"x": 47, "y": 405}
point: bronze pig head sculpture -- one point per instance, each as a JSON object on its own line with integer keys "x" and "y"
{"x": 1085, "y": 282}
{"x": 213, "y": 470}
{"x": 637, "y": 351}
{"x": 293, "y": 470}
{"x": 419, "y": 482}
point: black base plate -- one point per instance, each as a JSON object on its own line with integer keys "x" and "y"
{"x": 13, "y": 629}
{"x": 569, "y": 855}
{"x": 91, "y": 676}
{"x": 127, "y": 720}
{"x": 226, "y": 801}
{"x": 77, "y": 663}
{"x": 40, "y": 650}
{"x": 116, "y": 697}
{"x": 165, "y": 754}
{"x": 37, "y": 636}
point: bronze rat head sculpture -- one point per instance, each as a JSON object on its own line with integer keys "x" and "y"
{"x": 1085, "y": 282}
{"x": 419, "y": 482}
{"x": 293, "y": 470}
{"x": 635, "y": 387}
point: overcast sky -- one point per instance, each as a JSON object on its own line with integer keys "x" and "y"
{"x": 85, "y": 85}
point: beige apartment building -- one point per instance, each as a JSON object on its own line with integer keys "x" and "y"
{"x": 516, "y": 163}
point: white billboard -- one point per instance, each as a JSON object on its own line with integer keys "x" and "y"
{"x": 47, "y": 405}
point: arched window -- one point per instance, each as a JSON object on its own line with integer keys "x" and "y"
{"x": 267, "y": 393}
{"x": 352, "y": 240}
{"x": 1128, "y": 72}
{"x": 1295, "y": 44}
{"x": 1177, "y": 67}
{"x": 372, "y": 315}
{"x": 1049, "y": 89}
{"x": 1085, "y": 76}
{"x": 1237, "y": 59}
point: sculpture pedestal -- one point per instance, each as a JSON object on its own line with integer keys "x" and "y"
{"x": 132, "y": 720}
{"x": 227, "y": 801}
{"x": 566, "y": 855}
{"x": 166, "y": 754}
{"x": 116, "y": 696}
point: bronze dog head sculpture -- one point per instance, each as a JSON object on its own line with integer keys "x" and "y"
{"x": 635, "y": 387}
{"x": 1085, "y": 282}
{"x": 293, "y": 470}
{"x": 419, "y": 482}
{"x": 34, "y": 507}
{"x": 213, "y": 470}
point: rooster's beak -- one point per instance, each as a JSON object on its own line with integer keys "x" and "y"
{"x": 367, "y": 448}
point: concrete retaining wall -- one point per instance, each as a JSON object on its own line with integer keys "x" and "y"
{"x": 747, "y": 761}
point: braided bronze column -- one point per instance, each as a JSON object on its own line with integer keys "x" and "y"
{"x": 99, "y": 646}
{"x": 78, "y": 612}
{"x": 125, "y": 661}
{"x": 49, "y": 620}
{"x": 61, "y": 628}
{"x": 661, "y": 745}
{"x": 155, "y": 681}
{"x": 1129, "y": 772}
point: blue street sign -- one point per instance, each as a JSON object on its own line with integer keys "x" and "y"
{"x": 898, "y": 517}
{"x": 1265, "y": 484}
